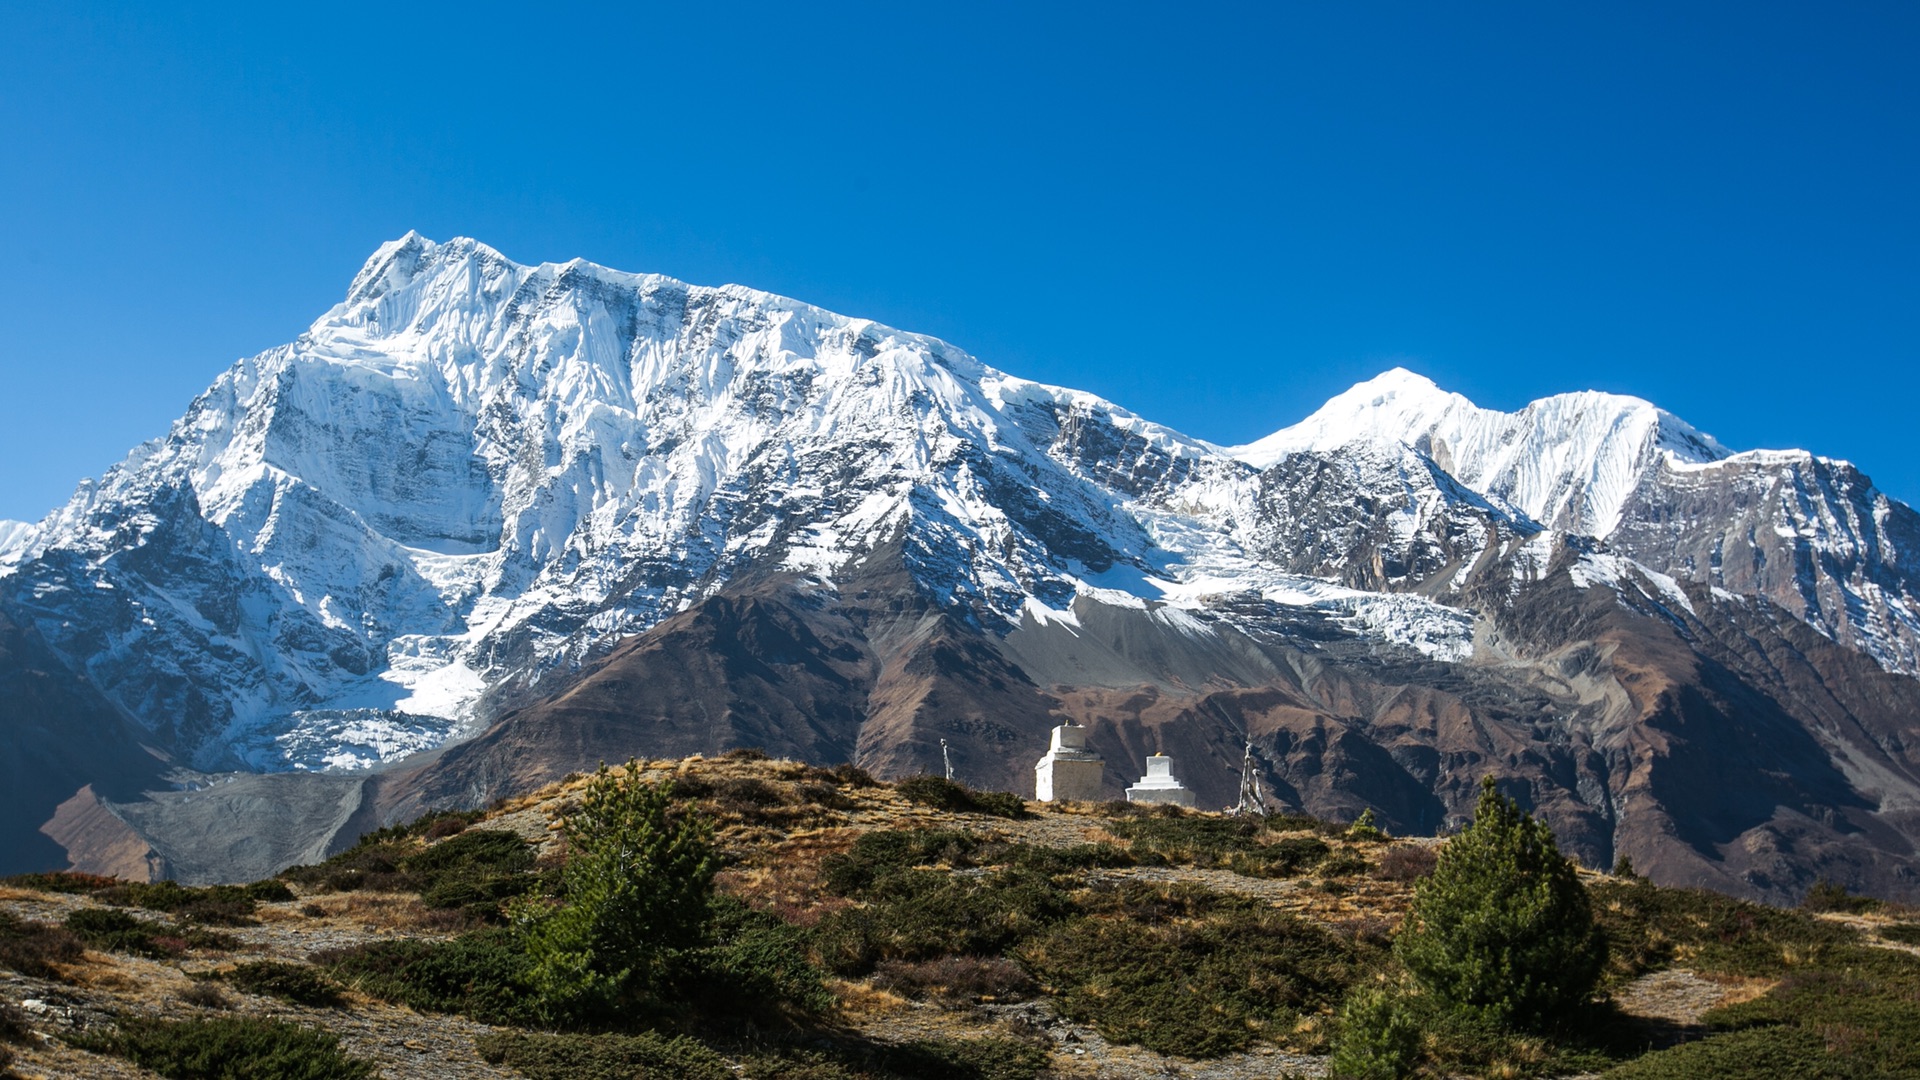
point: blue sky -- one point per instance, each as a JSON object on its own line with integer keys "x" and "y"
{"x": 1216, "y": 218}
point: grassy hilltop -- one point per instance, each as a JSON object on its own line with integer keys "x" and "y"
{"x": 777, "y": 921}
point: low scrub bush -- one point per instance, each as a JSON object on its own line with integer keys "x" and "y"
{"x": 228, "y": 1048}
{"x": 928, "y": 1059}
{"x": 1647, "y": 926}
{"x": 33, "y": 948}
{"x": 475, "y": 870}
{"x": 1198, "y": 989}
{"x": 202, "y": 994}
{"x": 943, "y": 794}
{"x": 956, "y": 979}
{"x": 111, "y": 930}
{"x": 298, "y": 983}
{"x": 1828, "y": 896}
{"x": 213, "y": 905}
{"x": 61, "y": 881}
{"x": 374, "y": 863}
{"x": 1406, "y": 862}
{"x": 883, "y": 853}
{"x": 1902, "y": 933}
{"x": 482, "y": 975}
{"x": 754, "y": 968}
{"x": 1154, "y": 903}
{"x": 1242, "y": 844}
{"x": 646, "y": 1056}
{"x": 921, "y": 915}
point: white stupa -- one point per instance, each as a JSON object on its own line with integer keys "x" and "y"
{"x": 1159, "y": 786}
{"x": 1069, "y": 770}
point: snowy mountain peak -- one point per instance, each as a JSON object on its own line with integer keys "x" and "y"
{"x": 1568, "y": 461}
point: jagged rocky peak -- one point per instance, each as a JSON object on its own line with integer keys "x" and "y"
{"x": 472, "y": 471}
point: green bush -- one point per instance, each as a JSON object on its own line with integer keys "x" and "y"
{"x": 1503, "y": 926}
{"x": 1902, "y": 933}
{"x": 475, "y": 870}
{"x": 756, "y": 967}
{"x": 228, "y": 1048}
{"x": 943, "y": 794}
{"x": 298, "y": 983}
{"x": 1210, "y": 841}
{"x": 116, "y": 931}
{"x": 373, "y": 863}
{"x": 1364, "y": 828}
{"x": 635, "y": 888}
{"x": 1195, "y": 988}
{"x": 1376, "y": 1039}
{"x": 1828, "y": 896}
{"x": 61, "y": 881}
{"x": 882, "y": 853}
{"x": 33, "y": 948}
{"x": 924, "y": 914}
{"x": 1646, "y": 927}
{"x": 483, "y": 975}
{"x": 646, "y": 1056}
{"x": 929, "y": 1059}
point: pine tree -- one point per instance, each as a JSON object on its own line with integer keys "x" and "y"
{"x": 1502, "y": 926}
{"x": 637, "y": 887}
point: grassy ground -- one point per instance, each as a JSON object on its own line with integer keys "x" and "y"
{"x": 989, "y": 941}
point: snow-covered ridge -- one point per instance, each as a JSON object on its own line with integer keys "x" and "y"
{"x": 473, "y": 472}
{"x": 1568, "y": 461}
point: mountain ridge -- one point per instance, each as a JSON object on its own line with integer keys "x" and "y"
{"x": 475, "y": 492}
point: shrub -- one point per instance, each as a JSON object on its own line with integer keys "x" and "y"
{"x": 647, "y": 1056}
{"x": 636, "y": 887}
{"x": 943, "y": 794}
{"x": 1363, "y": 827}
{"x": 1406, "y": 862}
{"x": 117, "y": 931}
{"x": 1902, "y": 933}
{"x": 928, "y": 1059}
{"x": 1502, "y": 926}
{"x": 482, "y": 975}
{"x": 1647, "y": 926}
{"x": 755, "y": 967}
{"x": 33, "y": 948}
{"x": 1828, "y": 896}
{"x": 956, "y": 978}
{"x": 298, "y": 983}
{"x": 475, "y": 870}
{"x": 883, "y": 853}
{"x": 1199, "y": 990}
{"x": 372, "y": 863}
{"x": 61, "y": 881}
{"x": 1376, "y": 1038}
{"x": 205, "y": 995}
{"x": 921, "y": 915}
{"x": 228, "y": 1048}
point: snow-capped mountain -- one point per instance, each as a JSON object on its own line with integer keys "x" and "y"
{"x": 579, "y": 513}
{"x": 1809, "y": 533}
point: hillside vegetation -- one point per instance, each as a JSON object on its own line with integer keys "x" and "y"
{"x": 748, "y": 917}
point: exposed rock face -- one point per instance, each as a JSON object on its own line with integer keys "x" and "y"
{"x": 489, "y": 524}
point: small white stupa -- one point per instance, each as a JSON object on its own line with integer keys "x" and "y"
{"x": 1159, "y": 786}
{"x": 1069, "y": 770}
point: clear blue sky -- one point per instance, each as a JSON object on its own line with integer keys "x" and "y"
{"x": 1217, "y": 218}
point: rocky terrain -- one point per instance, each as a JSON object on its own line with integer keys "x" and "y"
{"x": 486, "y": 524}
